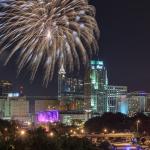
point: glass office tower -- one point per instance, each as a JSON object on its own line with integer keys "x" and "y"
{"x": 95, "y": 87}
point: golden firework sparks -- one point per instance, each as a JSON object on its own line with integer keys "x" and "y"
{"x": 48, "y": 32}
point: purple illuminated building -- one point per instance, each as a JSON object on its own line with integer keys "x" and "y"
{"x": 48, "y": 116}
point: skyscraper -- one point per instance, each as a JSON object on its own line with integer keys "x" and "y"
{"x": 61, "y": 78}
{"x": 95, "y": 87}
{"x": 70, "y": 91}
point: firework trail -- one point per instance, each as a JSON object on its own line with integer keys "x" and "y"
{"x": 48, "y": 33}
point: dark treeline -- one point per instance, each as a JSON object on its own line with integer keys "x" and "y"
{"x": 119, "y": 123}
{"x": 39, "y": 139}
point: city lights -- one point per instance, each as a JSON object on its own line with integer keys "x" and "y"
{"x": 29, "y": 123}
{"x": 6, "y": 129}
{"x": 113, "y": 132}
{"x": 105, "y": 130}
{"x": 137, "y": 125}
{"x": 84, "y": 98}
{"x": 51, "y": 134}
{"x": 71, "y": 131}
{"x": 50, "y": 116}
{"x": 82, "y": 131}
{"x": 22, "y": 132}
{"x": 74, "y": 132}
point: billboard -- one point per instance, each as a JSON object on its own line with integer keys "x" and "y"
{"x": 47, "y": 116}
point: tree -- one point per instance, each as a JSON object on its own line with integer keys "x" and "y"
{"x": 105, "y": 145}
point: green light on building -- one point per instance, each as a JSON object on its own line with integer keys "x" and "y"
{"x": 93, "y": 62}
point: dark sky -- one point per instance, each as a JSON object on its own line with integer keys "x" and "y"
{"x": 124, "y": 47}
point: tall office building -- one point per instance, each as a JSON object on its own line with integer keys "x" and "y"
{"x": 70, "y": 92}
{"x": 114, "y": 95}
{"x": 5, "y": 88}
{"x": 61, "y": 82}
{"x": 95, "y": 87}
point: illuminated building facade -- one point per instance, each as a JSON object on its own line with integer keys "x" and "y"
{"x": 16, "y": 108}
{"x": 138, "y": 102}
{"x": 147, "y": 108}
{"x": 69, "y": 117}
{"x": 41, "y": 105}
{"x": 122, "y": 105}
{"x": 114, "y": 95}
{"x": 95, "y": 87}
{"x": 24, "y": 108}
{"x": 5, "y": 87}
{"x": 61, "y": 82}
{"x": 70, "y": 92}
{"x": 47, "y": 116}
{"x": 2, "y": 106}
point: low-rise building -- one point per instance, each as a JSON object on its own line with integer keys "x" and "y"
{"x": 114, "y": 96}
{"x": 137, "y": 102}
{"x": 70, "y": 117}
{"x": 41, "y": 105}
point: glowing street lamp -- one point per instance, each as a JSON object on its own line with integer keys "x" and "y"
{"x": 137, "y": 125}
{"x": 51, "y": 134}
{"x": 113, "y": 132}
{"x": 82, "y": 131}
{"x": 6, "y": 129}
{"x": 71, "y": 131}
{"x": 105, "y": 130}
{"x": 74, "y": 133}
{"x": 22, "y": 132}
{"x": 29, "y": 123}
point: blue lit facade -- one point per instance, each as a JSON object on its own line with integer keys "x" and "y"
{"x": 123, "y": 105}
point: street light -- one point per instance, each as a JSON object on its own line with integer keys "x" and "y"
{"x": 29, "y": 123}
{"x": 105, "y": 130}
{"x": 71, "y": 131}
{"x": 51, "y": 134}
{"x": 137, "y": 125}
{"x": 113, "y": 132}
{"x": 82, "y": 131}
{"x": 22, "y": 132}
{"x": 6, "y": 129}
{"x": 74, "y": 132}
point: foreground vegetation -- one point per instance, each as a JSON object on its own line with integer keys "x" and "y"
{"x": 119, "y": 123}
{"x": 12, "y": 137}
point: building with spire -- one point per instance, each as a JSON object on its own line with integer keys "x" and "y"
{"x": 61, "y": 81}
{"x": 70, "y": 91}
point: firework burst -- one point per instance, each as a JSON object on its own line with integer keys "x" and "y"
{"x": 48, "y": 33}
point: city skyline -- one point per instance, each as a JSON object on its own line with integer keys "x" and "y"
{"x": 74, "y": 74}
{"x": 123, "y": 47}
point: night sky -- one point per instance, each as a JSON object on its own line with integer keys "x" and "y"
{"x": 124, "y": 48}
